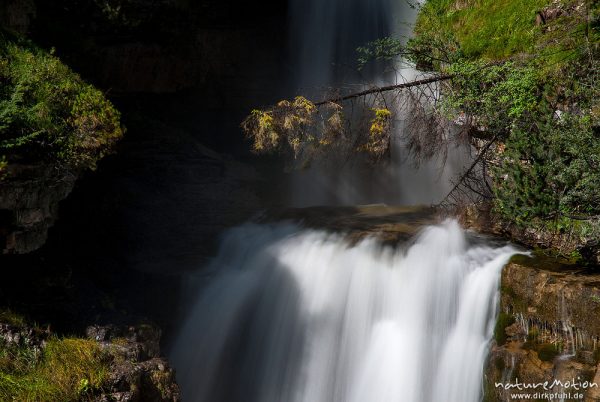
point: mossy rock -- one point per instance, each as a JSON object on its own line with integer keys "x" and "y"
{"x": 547, "y": 352}
{"x": 504, "y": 320}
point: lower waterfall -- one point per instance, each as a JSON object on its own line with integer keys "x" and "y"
{"x": 292, "y": 314}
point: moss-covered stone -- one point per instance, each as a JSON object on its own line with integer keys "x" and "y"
{"x": 504, "y": 320}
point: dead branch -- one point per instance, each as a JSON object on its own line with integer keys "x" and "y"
{"x": 378, "y": 90}
{"x": 465, "y": 175}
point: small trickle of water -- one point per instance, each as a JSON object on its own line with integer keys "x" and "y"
{"x": 300, "y": 315}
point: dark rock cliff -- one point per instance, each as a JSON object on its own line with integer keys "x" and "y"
{"x": 29, "y": 199}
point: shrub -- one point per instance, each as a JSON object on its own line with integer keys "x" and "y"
{"x": 550, "y": 172}
{"x": 48, "y": 113}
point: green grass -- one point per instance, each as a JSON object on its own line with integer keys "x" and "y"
{"x": 489, "y": 29}
{"x": 68, "y": 370}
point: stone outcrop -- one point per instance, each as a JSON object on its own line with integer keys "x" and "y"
{"x": 137, "y": 372}
{"x": 161, "y": 203}
{"x": 548, "y": 330}
{"x": 390, "y": 225}
{"x": 17, "y": 15}
{"x": 29, "y": 199}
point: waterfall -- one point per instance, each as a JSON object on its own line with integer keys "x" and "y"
{"x": 288, "y": 314}
{"x": 298, "y": 315}
{"x": 324, "y": 35}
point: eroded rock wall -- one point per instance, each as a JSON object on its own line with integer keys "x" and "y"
{"x": 548, "y": 329}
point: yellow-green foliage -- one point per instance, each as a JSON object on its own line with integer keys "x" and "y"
{"x": 259, "y": 126}
{"x": 47, "y": 112}
{"x": 309, "y": 131}
{"x": 379, "y": 133}
{"x": 288, "y": 124}
{"x": 68, "y": 370}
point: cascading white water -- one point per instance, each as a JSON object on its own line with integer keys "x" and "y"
{"x": 296, "y": 315}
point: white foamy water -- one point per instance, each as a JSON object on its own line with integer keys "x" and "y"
{"x": 296, "y": 315}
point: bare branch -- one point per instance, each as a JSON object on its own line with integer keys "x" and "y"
{"x": 379, "y": 90}
{"x": 465, "y": 175}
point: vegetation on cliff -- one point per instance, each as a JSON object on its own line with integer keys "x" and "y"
{"x": 48, "y": 113}
{"x": 519, "y": 81}
{"x": 35, "y": 366}
{"x": 110, "y": 363}
{"x": 527, "y": 80}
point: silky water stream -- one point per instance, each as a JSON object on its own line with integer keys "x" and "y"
{"x": 294, "y": 314}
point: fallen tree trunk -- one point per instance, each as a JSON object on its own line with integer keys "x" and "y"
{"x": 385, "y": 89}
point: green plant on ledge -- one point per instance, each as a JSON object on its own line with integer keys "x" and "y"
{"x": 48, "y": 113}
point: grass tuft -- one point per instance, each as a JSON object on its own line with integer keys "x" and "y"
{"x": 68, "y": 370}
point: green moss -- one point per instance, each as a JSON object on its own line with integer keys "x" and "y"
{"x": 504, "y": 320}
{"x": 499, "y": 364}
{"x": 547, "y": 352}
{"x": 67, "y": 370}
{"x": 47, "y": 112}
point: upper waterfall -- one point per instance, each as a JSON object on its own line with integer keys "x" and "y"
{"x": 324, "y": 36}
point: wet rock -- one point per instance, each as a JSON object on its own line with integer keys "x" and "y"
{"x": 556, "y": 331}
{"x": 391, "y": 225}
{"x": 143, "y": 341}
{"x": 34, "y": 338}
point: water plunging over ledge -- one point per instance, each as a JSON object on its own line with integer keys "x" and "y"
{"x": 292, "y": 314}
{"x": 300, "y": 315}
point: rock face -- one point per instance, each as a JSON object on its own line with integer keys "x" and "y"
{"x": 137, "y": 372}
{"x": 160, "y": 204}
{"x": 16, "y": 15}
{"x": 548, "y": 330}
{"x": 29, "y": 198}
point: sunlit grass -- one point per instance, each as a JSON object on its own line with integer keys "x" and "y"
{"x": 67, "y": 370}
{"x": 492, "y": 29}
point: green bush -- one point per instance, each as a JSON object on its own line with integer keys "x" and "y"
{"x": 48, "y": 113}
{"x": 533, "y": 90}
{"x": 497, "y": 96}
{"x": 552, "y": 171}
